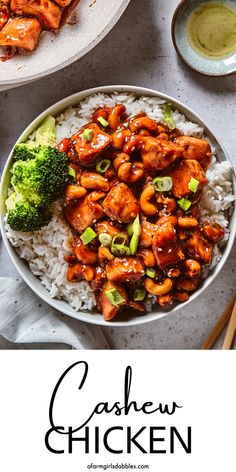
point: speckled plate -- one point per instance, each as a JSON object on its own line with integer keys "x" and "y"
{"x": 126, "y": 319}
{"x": 94, "y": 19}
{"x": 187, "y": 54}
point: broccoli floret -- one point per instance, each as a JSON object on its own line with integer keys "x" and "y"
{"x": 23, "y": 151}
{"x": 42, "y": 179}
{"x": 26, "y": 217}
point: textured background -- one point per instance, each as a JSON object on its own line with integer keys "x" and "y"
{"x": 138, "y": 51}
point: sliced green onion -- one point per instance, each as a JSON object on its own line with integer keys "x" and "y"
{"x": 103, "y": 165}
{"x": 162, "y": 184}
{"x": 88, "y": 235}
{"x": 134, "y": 244}
{"x": 139, "y": 294}
{"x": 120, "y": 250}
{"x": 184, "y": 203}
{"x": 150, "y": 272}
{"x": 120, "y": 238}
{"x": 193, "y": 184}
{"x": 137, "y": 226}
{"x": 167, "y": 116}
{"x": 88, "y": 134}
{"x": 105, "y": 239}
{"x": 72, "y": 172}
{"x": 130, "y": 229}
{"x": 114, "y": 297}
{"x": 103, "y": 121}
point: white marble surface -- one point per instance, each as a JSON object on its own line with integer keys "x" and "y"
{"x": 138, "y": 51}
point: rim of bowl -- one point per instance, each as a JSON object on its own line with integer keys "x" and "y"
{"x": 72, "y": 100}
{"x": 181, "y": 56}
{"x": 28, "y": 79}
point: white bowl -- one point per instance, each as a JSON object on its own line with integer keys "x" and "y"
{"x": 59, "y": 49}
{"x": 21, "y": 265}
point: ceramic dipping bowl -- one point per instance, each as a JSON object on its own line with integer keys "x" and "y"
{"x": 220, "y": 66}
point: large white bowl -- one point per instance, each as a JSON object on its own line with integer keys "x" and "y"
{"x": 57, "y": 50}
{"x": 23, "y": 268}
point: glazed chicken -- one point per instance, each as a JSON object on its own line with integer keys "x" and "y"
{"x": 21, "y": 32}
{"x": 46, "y": 11}
{"x": 22, "y": 21}
{"x": 133, "y": 209}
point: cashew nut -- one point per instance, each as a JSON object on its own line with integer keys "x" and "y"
{"x": 131, "y": 172}
{"x": 187, "y": 222}
{"x": 96, "y": 195}
{"x": 92, "y": 180}
{"x": 145, "y": 200}
{"x": 167, "y": 218}
{"x": 115, "y": 115}
{"x": 143, "y": 123}
{"x": 147, "y": 257}
{"x": 120, "y": 159}
{"x": 158, "y": 289}
{"x": 120, "y": 137}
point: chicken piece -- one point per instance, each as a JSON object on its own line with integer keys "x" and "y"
{"x": 195, "y": 148}
{"x": 73, "y": 192}
{"x": 181, "y": 176}
{"x": 199, "y": 247}
{"x": 4, "y": 14}
{"x": 83, "y": 253}
{"x": 120, "y": 204}
{"x": 109, "y": 311}
{"x": 159, "y": 154}
{"x": 78, "y": 272}
{"x": 125, "y": 269}
{"x": 21, "y": 32}
{"x": 213, "y": 232}
{"x": 108, "y": 227}
{"x": 46, "y": 11}
{"x": 84, "y": 213}
{"x": 88, "y": 150}
{"x": 166, "y": 247}
{"x": 147, "y": 231}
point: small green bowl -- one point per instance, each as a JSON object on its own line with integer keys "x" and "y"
{"x": 197, "y": 62}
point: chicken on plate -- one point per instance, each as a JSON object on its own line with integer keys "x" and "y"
{"x": 22, "y": 21}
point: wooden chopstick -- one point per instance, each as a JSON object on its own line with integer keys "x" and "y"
{"x": 231, "y": 330}
{"x": 219, "y": 326}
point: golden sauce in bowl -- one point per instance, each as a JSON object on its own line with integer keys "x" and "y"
{"x": 212, "y": 30}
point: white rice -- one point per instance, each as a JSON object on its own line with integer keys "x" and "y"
{"x": 44, "y": 250}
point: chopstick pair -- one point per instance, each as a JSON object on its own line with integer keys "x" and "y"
{"x": 229, "y": 314}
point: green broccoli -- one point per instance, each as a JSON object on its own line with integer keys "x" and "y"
{"x": 23, "y": 151}
{"x": 27, "y": 217}
{"x": 42, "y": 178}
